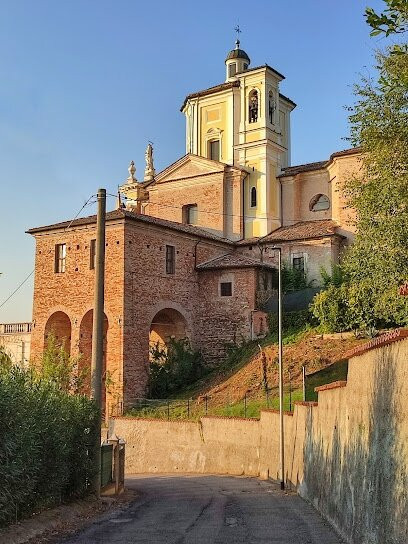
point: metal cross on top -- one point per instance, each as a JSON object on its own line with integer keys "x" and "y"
{"x": 238, "y": 31}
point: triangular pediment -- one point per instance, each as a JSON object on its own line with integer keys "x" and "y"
{"x": 189, "y": 166}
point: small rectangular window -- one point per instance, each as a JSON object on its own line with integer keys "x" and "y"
{"x": 214, "y": 150}
{"x": 232, "y": 70}
{"x": 60, "y": 258}
{"x": 170, "y": 259}
{"x": 190, "y": 214}
{"x": 226, "y": 289}
{"x": 92, "y": 255}
{"x": 298, "y": 263}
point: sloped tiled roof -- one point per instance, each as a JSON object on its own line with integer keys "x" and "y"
{"x": 210, "y": 90}
{"x": 309, "y": 167}
{"x": 232, "y": 260}
{"x": 303, "y": 230}
{"x": 126, "y": 214}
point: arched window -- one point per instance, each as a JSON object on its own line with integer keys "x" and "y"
{"x": 253, "y": 197}
{"x": 271, "y": 107}
{"x": 319, "y": 203}
{"x": 253, "y": 106}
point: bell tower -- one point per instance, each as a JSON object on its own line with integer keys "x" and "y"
{"x": 245, "y": 122}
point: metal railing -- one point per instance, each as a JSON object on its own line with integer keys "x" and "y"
{"x": 192, "y": 409}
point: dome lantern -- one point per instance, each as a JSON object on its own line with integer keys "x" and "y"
{"x": 237, "y": 61}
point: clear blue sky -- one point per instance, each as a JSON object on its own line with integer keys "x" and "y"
{"x": 85, "y": 84}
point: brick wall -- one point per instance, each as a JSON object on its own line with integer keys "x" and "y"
{"x": 137, "y": 287}
{"x": 72, "y": 292}
{"x": 166, "y": 200}
{"x": 225, "y": 319}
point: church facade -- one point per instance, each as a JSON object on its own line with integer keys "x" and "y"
{"x": 190, "y": 251}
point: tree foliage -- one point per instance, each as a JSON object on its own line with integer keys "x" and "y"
{"x": 173, "y": 366}
{"x": 393, "y": 20}
{"x": 5, "y": 359}
{"x": 377, "y": 263}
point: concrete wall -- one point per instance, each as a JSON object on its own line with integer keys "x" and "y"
{"x": 212, "y": 445}
{"x": 348, "y": 454}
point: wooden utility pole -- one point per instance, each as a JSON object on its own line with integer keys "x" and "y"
{"x": 97, "y": 332}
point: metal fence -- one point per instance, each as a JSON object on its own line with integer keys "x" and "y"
{"x": 247, "y": 406}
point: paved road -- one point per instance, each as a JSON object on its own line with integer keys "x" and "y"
{"x": 209, "y": 510}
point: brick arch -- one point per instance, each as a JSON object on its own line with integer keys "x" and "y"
{"x": 59, "y": 324}
{"x": 164, "y": 304}
{"x": 168, "y": 323}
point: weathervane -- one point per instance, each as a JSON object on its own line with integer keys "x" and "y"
{"x": 238, "y": 31}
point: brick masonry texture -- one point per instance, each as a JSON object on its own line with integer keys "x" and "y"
{"x": 137, "y": 288}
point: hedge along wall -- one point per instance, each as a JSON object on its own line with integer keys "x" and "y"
{"x": 46, "y": 438}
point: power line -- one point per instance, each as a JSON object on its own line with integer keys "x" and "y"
{"x": 86, "y": 204}
{"x": 15, "y": 291}
{"x": 32, "y": 272}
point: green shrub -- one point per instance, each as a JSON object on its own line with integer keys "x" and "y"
{"x": 173, "y": 367}
{"x": 5, "y": 359}
{"x": 335, "y": 278}
{"x": 46, "y": 453}
{"x": 359, "y": 307}
{"x": 293, "y": 279}
{"x": 290, "y": 320}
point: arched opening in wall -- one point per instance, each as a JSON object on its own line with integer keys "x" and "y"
{"x": 253, "y": 197}
{"x": 319, "y": 203}
{"x": 253, "y": 106}
{"x": 85, "y": 350}
{"x": 59, "y": 325}
{"x": 271, "y": 107}
{"x": 167, "y": 324}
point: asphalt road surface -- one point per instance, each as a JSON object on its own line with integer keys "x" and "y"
{"x": 209, "y": 510}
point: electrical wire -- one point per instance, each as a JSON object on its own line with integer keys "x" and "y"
{"x": 262, "y": 216}
{"x": 87, "y": 203}
{"x": 15, "y": 290}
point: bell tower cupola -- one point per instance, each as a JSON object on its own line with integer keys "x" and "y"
{"x": 237, "y": 61}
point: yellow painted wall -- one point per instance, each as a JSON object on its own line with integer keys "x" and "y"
{"x": 213, "y": 115}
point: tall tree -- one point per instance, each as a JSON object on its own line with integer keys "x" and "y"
{"x": 377, "y": 263}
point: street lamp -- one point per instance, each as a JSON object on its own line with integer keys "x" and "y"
{"x": 281, "y": 431}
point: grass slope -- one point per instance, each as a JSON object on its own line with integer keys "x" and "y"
{"x": 242, "y": 386}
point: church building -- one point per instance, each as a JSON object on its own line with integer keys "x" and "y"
{"x": 190, "y": 251}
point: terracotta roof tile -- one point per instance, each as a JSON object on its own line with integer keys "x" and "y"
{"x": 380, "y": 341}
{"x": 125, "y": 214}
{"x": 232, "y": 260}
{"x": 309, "y": 167}
{"x": 303, "y": 230}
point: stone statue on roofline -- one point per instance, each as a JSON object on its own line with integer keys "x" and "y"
{"x": 149, "y": 170}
